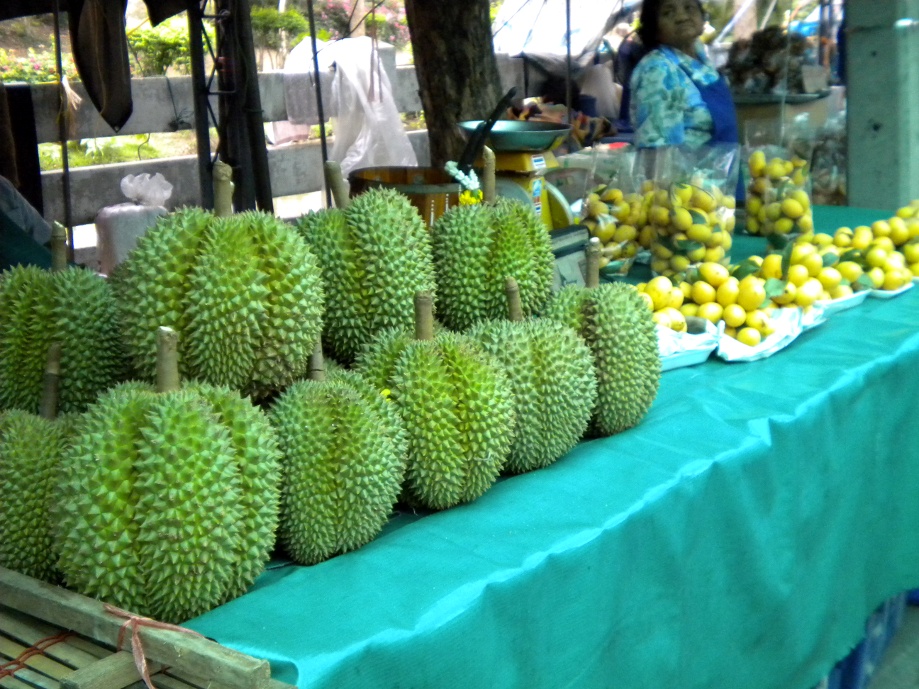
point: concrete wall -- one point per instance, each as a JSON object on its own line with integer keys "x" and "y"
{"x": 165, "y": 105}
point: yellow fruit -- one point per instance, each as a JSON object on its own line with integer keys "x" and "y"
{"x": 679, "y": 263}
{"x": 659, "y": 215}
{"x": 911, "y": 252}
{"x": 677, "y": 319}
{"x": 861, "y": 237}
{"x": 913, "y": 226}
{"x": 749, "y": 336}
{"x": 906, "y": 212}
{"x": 876, "y": 257}
{"x": 841, "y": 292}
{"x": 899, "y": 232}
{"x": 829, "y": 277}
{"x": 647, "y": 185}
{"x": 822, "y": 239}
{"x": 734, "y": 315}
{"x": 703, "y": 200}
{"x": 730, "y": 332}
{"x": 659, "y": 289}
{"x": 751, "y": 293}
{"x": 702, "y": 292}
{"x": 757, "y": 163}
{"x": 797, "y": 274}
{"x": 788, "y": 294}
{"x": 809, "y": 292}
{"x": 801, "y": 251}
{"x": 681, "y": 219}
{"x": 813, "y": 263}
{"x": 727, "y": 291}
{"x": 683, "y": 192}
{"x": 714, "y": 274}
{"x": 799, "y": 178}
{"x": 830, "y": 255}
{"x": 893, "y": 280}
{"x": 841, "y": 239}
{"x": 753, "y": 225}
{"x": 696, "y": 255}
{"x": 761, "y": 186}
{"x": 774, "y": 211}
{"x": 876, "y": 275}
{"x": 611, "y": 196}
{"x": 850, "y": 270}
{"x": 792, "y": 208}
{"x": 775, "y": 170}
{"x": 662, "y": 252}
{"x": 914, "y": 269}
{"x": 784, "y": 225}
{"x": 647, "y": 236}
{"x": 699, "y": 233}
{"x": 676, "y": 298}
{"x": 689, "y": 309}
{"x": 753, "y": 205}
{"x": 771, "y": 267}
{"x": 604, "y": 231}
{"x": 662, "y": 318}
{"x": 806, "y": 223}
{"x": 880, "y": 228}
{"x": 686, "y": 288}
{"x": 625, "y": 233}
{"x": 714, "y": 254}
{"x": 659, "y": 265}
{"x": 646, "y": 298}
{"x": 711, "y": 311}
{"x": 729, "y": 202}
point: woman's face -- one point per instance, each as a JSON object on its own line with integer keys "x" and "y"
{"x": 680, "y": 23}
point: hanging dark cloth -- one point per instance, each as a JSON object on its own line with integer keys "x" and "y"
{"x": 100, "y": 51}
{"x": 7, "y": 144}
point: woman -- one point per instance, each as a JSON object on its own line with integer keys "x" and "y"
{"x": 678, "y": 97}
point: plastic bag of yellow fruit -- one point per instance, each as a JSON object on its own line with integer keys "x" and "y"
{"x": 615, "y": 208}
{"x": 778, "y": 178}
{"x": 693, "y": 221}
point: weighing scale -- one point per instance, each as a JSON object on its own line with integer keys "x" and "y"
{"x": 523, "y": 155}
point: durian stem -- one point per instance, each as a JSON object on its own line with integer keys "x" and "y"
{"x": 336, "y": 182}
{"x": 592, "y": 279}
{"x": 58, "y": 247}
{"x": 424, "y": 316}
{"x": 167, "y": 360}
{"x": 489, "y": 191}
{"x": 51, "y": 383}
{"x": 514, "y": 305}
{"x": 317, "y": 363}
{"x": 223, "y": 189}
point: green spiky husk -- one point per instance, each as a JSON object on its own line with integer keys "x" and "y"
{"x": 457, "y": 407}
{"x": 620, "y": 332}
{"x": 476, "y": 248}
{"x": 30, "y": 455}
{"x": 244, "y": 294}
{"x": 166, "y": 501}
{"x": 551, "y": 371}
{"x": 375, "y": 256}
{"x": 343, "y": 450}
{"x": 74, "y": 307}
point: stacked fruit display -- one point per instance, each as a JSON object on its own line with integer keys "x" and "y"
{"x": 693, "y": 224}
{"x": 778, "y": 202}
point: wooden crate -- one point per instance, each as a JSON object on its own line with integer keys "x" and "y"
{"x": 52, "y": 638}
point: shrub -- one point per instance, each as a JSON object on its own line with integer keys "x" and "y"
{"x": 36, "y": 68}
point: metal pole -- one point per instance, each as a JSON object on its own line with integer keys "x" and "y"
{"x": 62, "y": 131}
{"x": 202, "y": 121}
{"x": 319, "y": 108}
{"x": 568, "y": 59}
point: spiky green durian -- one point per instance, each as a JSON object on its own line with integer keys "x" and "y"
{"x": 167, "y": 502}
{"x": 343, "y": 458}
{"x": 620, "y": 332}
{"x": 551, "y": 372}
{"x": 243, "y": 292}
{"x": 74, "y": 307}
{"x": 457, "y": 408}
{"x": 375, "y": 255}
{"x": 30, "y": 455}
{"x": 476, "y": 247}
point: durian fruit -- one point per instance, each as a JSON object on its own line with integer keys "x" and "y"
{"x": 551, "y": 371}
{"x": 72, "y": 306}
{"x": 31, "y": 447}
{"x": 456, "y": 405}
{"x": 168, "y": 497}
{"x": 620, "y": 332}
{"x": 343, "y": 458}
{"x": 476, "y": 247}
{"x": 375, "y": 255}
{"x": 243, "y": 292}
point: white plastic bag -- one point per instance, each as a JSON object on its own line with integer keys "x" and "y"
{"x": 119, "y": 227}
{"x": 368, "y": 128}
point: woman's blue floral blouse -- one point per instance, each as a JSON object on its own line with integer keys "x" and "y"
{"x": 667, "y": 108}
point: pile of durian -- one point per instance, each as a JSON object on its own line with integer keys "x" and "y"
{"x": 203, "y": 429}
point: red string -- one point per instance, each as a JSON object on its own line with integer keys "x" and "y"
{"x": 10, "y": 668}
{"x": 135, "y": 622}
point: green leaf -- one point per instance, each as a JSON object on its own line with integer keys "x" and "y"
{"x": 775, "y": 287}
{"x": 864, "y": 282}
{"x": 778, "y": 241}
{"x": 692, "y": 274}
{"x": 853, "y": 255}
{"x": 744, "y": 268}
{"x": 786, "y": 258}
{"x": 688, "y": 245}
{"x": 698, "y": 218}
{"x": 830, "y": 259}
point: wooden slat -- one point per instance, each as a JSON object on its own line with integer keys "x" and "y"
{"x": 30, "y": 631}
{"x": 87, "y": 616}
{"x": 112, "y": 672}
{"x": 11, "y": 650}
{"x": 13, "y": 683}
{"x": 35, "y": 680}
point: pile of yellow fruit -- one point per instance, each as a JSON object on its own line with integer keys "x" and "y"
{"x": 777, "y": 198}
{"x": 614, "y": 217}
{"x": 715, "y": 295}
{"x": 692, "y": 224}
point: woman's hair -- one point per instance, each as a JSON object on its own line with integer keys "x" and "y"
{"x": 648, "y": 22}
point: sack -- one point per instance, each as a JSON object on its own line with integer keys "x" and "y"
{"x": 598, "y": 82}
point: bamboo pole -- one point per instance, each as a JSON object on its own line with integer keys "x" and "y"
{"x": 58, "y": 247}
{"x": 223, "y": 189}
{"x": 51, "y": 383}
{"x": 335, "y": 181}
{"x": 317, "y": 363}
{"x": 489, "y": 188}
{"x": 514, "y": 305}
{"x": 424, "y": 316}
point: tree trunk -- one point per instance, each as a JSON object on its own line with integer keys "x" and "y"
{"x": 357, "y": 23}
{"x": 746, "y": 25}
{"x": 456, "y": 68}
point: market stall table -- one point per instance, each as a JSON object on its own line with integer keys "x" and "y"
{"x": 739, "y": 537}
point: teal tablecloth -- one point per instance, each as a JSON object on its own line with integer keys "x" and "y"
{"x": 737, "y": 539}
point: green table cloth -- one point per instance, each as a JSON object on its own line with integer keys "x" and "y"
{"x": 737, "y": 538}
